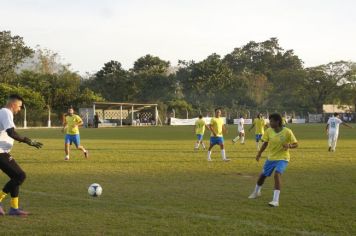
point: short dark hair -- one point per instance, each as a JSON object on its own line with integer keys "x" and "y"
{"x": 200, "y": 116}
{"x": 216, "y": 109}
{"x": 336, "y": 114}
{"x": 15, "y": 97}
{"x": 276, "y": 117}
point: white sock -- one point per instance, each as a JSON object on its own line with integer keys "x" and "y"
{"x": 276, "y": 195}
{"x": 67, "y": 156}
{"x": 209, "y": 154}
{"x": 196, "y": 145}
{"x": 258, "y": 146}
{"x": 242, "y": 139}
{"x": 223, "y": 154}
{"x": 203, "y": 145}
{"x": 258, "y": 188}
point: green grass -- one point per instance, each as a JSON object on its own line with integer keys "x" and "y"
{"x": 155, "y": 184}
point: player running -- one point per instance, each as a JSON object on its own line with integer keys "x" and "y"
{"x": 199, "y": 130}
{"x": 332, "y": 130}
{"x": 240, "y": 131}
{"x": 71, "y": 126}
{"x": 7, "y": 163}
{"x": 259, "y": 124}
{"x": 279, "y": 140}
{"x": 217, "y": 128}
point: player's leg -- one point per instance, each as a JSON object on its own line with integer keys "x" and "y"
{"x": 17, "y": 176}
{"x": 280, "y": 168}
{"x": 330, "y": 140}
{"x": 212, "y": 144}
{"x": 334, "y": 142}
{"x": 268, "y": 168}
{"x": 67, "y": 142}
{"x": 202, "y": 144}
{"x": 197, "y": 143}
{"x": 76, "y": 141}
{"x": 242, "y": 135}
{"x": 237, "y": 137}
{"x": 222, "y": 149}
{"x": 258, "y": 138}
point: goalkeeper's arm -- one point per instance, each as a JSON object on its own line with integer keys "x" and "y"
{"x": 13, "y": 134}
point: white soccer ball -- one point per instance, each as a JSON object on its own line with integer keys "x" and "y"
{"x": 95, "y": 190}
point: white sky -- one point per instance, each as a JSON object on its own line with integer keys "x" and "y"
{"x": 89, "y": 33}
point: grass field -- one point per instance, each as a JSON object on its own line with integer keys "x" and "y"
{"x": 155, "y": 184}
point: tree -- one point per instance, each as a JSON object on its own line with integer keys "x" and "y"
{"x": 12, "y": 52}
{"x": 112, "y": 82}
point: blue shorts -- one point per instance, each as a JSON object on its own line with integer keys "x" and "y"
{"x": 269, "y": 166}
{"x": 216, "y": 140}
{"x": 200, "y": 137}
{"x": 72, "y": 138}
{"x": 258, "y": 137}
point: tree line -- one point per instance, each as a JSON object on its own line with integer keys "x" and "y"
{"x": 258, "y": 76}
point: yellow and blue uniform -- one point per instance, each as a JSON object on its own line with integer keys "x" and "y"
{"x": 200, "y": 128}
{"x": 278, "y": 157}
{"x": 72, "y": 132}
{"x": 216, "y": 125}
{"x": 260, "y": 124}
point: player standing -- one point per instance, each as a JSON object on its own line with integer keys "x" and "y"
{"x": 279, "y": 140}
{"x": 332, "y": 130}
{"x": 240, "y": 131}
{"x": 199, "y": 129}
{"x": 259, "y": 124}
{"x": 71, "y": 125}
{"x": 217, "y": 128}
{"x": 7, "y": 163}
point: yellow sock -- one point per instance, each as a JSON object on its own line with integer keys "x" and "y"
{"x": 2, "y": 196}
{"x": 14, "y": 202}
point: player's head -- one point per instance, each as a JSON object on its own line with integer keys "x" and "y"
{"x": 336, "y": 114}
{"x": 241, "y": 116}
{"x": 70, "y": 110}
{"x": 275, "y": 120}
{"x": 259, "y": 115}
{"x": 200, "y": 117}
{"x": 15, "y": 103}
{"x": 218, "y": 112}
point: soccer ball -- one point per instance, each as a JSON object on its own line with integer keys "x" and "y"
{"x": 95, "y": 190}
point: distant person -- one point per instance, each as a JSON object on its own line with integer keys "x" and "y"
{"x": 96, "y": 120}
{"x": 279, "y": 140}
{"x": 240, "y": 131}
{"x": 217, "y": 128}
{"x": 199, "y": 129}
{"x": 7, "y": 163}
{"x": 259, "y": 124}
{"x": 332, "y": 130}
{"x": 71, "y": 127}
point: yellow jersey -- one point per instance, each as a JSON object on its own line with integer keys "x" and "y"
{"x": 72, "y": 124}
{"x": 275, "y": 142}
{"x": 200, "y": 126}
{"x": 259, "y": 125}
{"x": 217, "y": 125}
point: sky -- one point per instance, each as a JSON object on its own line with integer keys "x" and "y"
{"x": 89, "y": 33}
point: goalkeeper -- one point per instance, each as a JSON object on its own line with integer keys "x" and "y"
{"x": 7, "y": 163}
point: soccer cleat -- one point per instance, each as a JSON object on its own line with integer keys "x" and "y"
{"x": 209, "y": 159}
{"x": 233, "y": 141}
{"x": 66, "y": 158}
{"x": 2, "y": 212}
{"x": 329, "y": 149}
{"x": 86, "y": 154}
{"x": 18, "y": 212}
{"x": 273, "y": 204}
{"x": 254, "y": 195}
{"x": 226, "y": 159}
